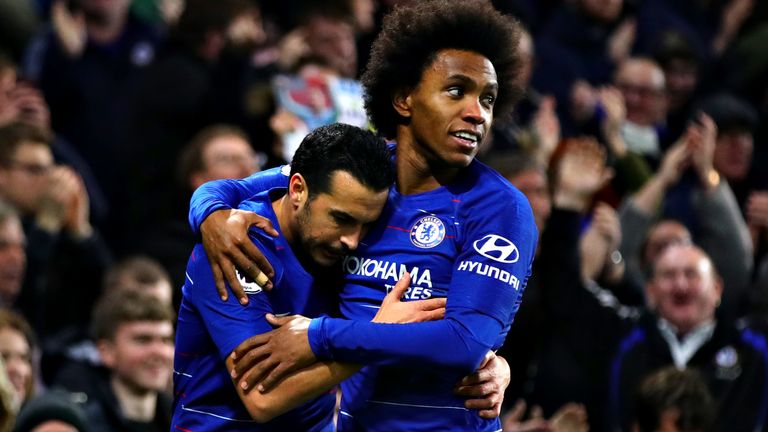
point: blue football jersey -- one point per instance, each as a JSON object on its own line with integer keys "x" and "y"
{"x": 472, "y": 241}
{"x": 209, "y": 330}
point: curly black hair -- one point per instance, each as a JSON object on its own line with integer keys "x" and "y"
{"x": 413, "y": 34}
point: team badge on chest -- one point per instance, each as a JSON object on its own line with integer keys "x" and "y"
{"x": 428, "y": 232}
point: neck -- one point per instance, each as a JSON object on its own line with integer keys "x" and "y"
{"x": 417, "y": 169}
{"x": 107, "y": 31}
{"x": 287, "y": 221}
{"x": 283, "y": 211}
{"x": 682, "y": 332}
{"x": 135, "y": 405}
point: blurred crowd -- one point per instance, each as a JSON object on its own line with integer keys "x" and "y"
{"x": 637, "y": 142}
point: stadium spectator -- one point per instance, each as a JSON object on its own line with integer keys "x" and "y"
{"x": 134, "y": 335}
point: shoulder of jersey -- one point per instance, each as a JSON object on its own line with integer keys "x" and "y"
{"x": 487, "y": 183}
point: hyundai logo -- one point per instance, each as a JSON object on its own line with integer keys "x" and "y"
{"x": 497, "y": 248}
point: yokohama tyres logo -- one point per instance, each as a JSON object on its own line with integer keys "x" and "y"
{"x": 497, "y": 248}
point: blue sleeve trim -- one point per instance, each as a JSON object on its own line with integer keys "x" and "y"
{"x": 223, "y": 194}
{"x": 317, "y": 341}
{"x": 757, "y": 341}
{"x": 630, "y": 341}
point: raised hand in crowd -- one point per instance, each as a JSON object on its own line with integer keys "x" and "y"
{"x": 8, "y": 109}
{"x": 54, "y": 205}
{"x": 570, "y": 417}
{"x": 77, "y": 221}
{"x": 675, "y": 161}
{"x": 583, "y": 99}
{"x": 733, "y": 16}
{"x": 31, "y": 106}
{"x": 757, "y": 215}
{"x": 170, "y": 10}
{"x": 22, "y": 102}
{"x": 547, "y": 128}
{"x": 69, "y": 28}
{"x": 64, "y": 204}
{"x": 701, "y": 137}
{"x": 622, "y": 39}
{"x": 599, "y": 244}
{"x": 246, "y": 30}
{"x": 293, "y": 46}
{"x": 581, "y": 171}
{"x": 615, "y": 114}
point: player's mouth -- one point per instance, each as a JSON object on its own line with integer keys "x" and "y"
{"x": 334, "y": 254}
{"x": 467, "y": 138}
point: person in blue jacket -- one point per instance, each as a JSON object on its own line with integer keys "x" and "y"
{"x": 439, "y": 72}
{"x": 338, "y": 186}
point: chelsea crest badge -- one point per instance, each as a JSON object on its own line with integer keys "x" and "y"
{"x": 428, "y": 232}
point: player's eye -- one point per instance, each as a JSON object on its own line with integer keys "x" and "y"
{"x": 455, "y": 91}
{"x": 488, "y": 100}
{"x": 342, "y": 219}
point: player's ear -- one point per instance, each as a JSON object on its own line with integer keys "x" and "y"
{"x": 401, "y": 101}
{"x": 297, "y": 189}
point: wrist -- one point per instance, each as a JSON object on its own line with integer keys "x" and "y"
{"x": 616, "y": 144}
{"x": 614, "y": 267}
{"x": 82, "y": 231}
{"x": 48, "y": 222}
{"x": 570, "y": 201}
{"x": 615, "y": 257}
{"x": 316, "y": 338}
{"x": 710, "y": 179}
{"x": 665, "y": 180}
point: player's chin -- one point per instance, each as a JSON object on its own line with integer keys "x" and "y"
{"x": 460, "y": 160}
{"x": 325, "y": 257}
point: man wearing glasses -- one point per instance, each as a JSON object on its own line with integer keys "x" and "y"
{"x": 65, "y": 257}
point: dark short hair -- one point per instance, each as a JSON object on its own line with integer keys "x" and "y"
{"x": 334, "y": 10}
{"x": 56, "y": 404}
{"x": 201, "y": 16}
{"x": 116, "y": 308}
{"x": 139, "y": 268}
{"x": 671, "y": 388}
{"x": 346, "y": 148}
{"x": 412, "y": 36}
{"x": 730, "y": 113}
{"x": 672, "y": 46}
{"x": 13, "y": 134}
{"x": 6, "y": 64}
{"x": 15, "y": 321}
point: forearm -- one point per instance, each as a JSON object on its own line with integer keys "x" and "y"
{"x": 295, "y": 390}
{"x": 417, "y": 344}
{"x": 724, "y": 235}
{"x": 593, "y": 253}
{"x": 648, "y": 198}
{"x": 215, "y": 195}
